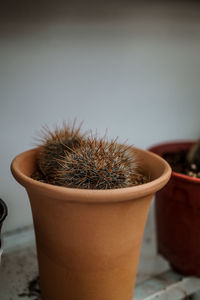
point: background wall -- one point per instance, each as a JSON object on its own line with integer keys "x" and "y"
{"x": 133, "y": 69}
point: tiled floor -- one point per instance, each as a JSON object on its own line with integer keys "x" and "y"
{"x": 18, "y": 269}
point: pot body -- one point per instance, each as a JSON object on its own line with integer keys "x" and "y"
{"x": 88, "y": 241}
{"x": 177, "y": 208}
{"x": 88, "y": 251}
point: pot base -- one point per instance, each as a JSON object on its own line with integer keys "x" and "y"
{"x": 59, "y": 283}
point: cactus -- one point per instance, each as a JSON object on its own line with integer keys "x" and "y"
{"x": 98, "y": 164}
{"x": 193, "y": 160}
{"x": 68, "y": 158}
{"x": 55, "y": 144}
{"x": 193, "y": 156}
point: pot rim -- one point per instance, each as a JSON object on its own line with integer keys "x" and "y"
{"x": 177, "y": 175}
{"x": 92, "y": 195}
{"x": 5, "y": 211}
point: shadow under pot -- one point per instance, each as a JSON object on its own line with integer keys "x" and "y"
{"x": 3, "y": 214}
{"x": 177, "y": 208}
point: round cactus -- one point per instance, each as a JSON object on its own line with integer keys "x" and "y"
{"x": 98, "y": 164}
{"x": 68, "y": 158}
{"x": 54, "y": 144}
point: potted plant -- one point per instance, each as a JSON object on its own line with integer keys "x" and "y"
{"x": 177, "y": 207}
{"x": 3, "y": 214}
{"x": 89, "y": 216}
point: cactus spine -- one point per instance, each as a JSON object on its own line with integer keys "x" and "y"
{"x": 68, "y": 158}
{"x": 54, "y": 145}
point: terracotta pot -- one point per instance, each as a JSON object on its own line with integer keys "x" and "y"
{"x": 178, "y": 217}
{"x": 3, "y": 214}
{"x": 88, "y": 241}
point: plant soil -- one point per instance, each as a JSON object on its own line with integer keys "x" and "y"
{"x": 178, "y": 162}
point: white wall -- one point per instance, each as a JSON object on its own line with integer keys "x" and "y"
{"x": 133, "y": 70}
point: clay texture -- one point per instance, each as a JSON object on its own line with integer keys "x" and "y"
{"x": 88, "y": 241}
{"x": 178, "y": 216}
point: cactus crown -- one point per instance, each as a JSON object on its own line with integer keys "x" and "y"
{"x": 71, "y": 159}
{"x": 97, "y": 164}
{"x": 54, "y": 144}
